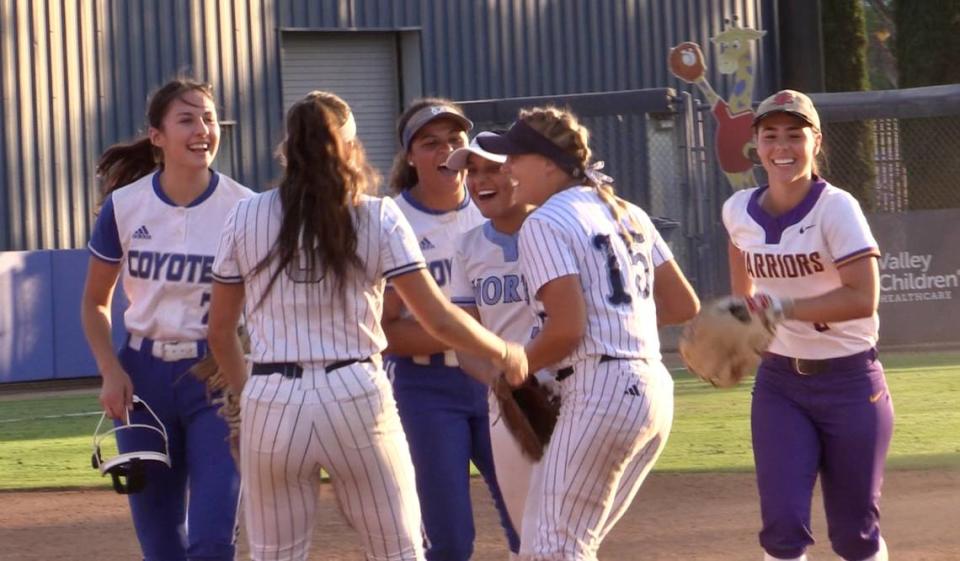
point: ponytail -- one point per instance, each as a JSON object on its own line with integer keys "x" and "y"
{"x": 124, "y": 163}
{"x": 324, "y": 177}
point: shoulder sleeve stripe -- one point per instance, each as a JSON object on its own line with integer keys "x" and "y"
{"x": 409, "y": 267}
{"x": 103, "y": 257}
{"x": 227, "y": 279}
{"x": 867, "y": 251}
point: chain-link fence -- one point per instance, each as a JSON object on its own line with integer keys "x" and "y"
{"x": 895, "y": 151}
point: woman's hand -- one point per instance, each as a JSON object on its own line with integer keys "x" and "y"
{"x": 513, "y": 363}
{"x": 116, "y": 394}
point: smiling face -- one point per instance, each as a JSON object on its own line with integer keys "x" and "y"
{"x": 189, "y": 134}
{"x": 787, "y": 146}
{"x": 534, "y": 177}
{"x": 429, "y": 150}
{"x": 490, "y": 188}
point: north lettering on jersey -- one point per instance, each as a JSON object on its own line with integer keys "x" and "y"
{"x": 506, "y": 289}
{"x": 173, "y": 267}
{"x": 779, "y": 266}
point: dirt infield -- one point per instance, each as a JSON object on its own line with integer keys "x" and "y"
{"x": 701, "y": 517}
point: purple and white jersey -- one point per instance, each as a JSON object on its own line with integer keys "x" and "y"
{"x": 574, "y": 233}
{"x": 167, "y": 252}
{"x": 486, "y": 274}
{"x": 437, "y": 233}
{"x": 796, "y": 255}
{"x": 307, "y": 318}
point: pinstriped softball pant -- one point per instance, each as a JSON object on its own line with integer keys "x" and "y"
{"x": 613, "y": 425}
{"x": 345, "y": 422}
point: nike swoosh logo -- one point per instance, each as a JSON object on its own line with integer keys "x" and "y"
{"x": 805, "y": 228}
{"x": 876, "y": 397}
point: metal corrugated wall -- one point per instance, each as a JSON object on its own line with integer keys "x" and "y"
{"x": 479, "y": 49}
{"x": 76, "y": 73}
{"x": 75, "y": 78}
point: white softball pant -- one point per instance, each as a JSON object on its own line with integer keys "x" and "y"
{"x": 614, "y": 421}
{"x": 345, "y": 422}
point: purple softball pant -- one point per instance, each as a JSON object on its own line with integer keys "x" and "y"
{"x": 836, "y": 424}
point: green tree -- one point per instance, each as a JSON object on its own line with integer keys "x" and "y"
{"x": 849, "y": 146}
{"x": 928, "y": 54}
{"x": 881, "y": 43}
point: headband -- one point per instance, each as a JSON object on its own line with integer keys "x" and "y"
{"x": 424, "y": 115}
{"x": 524, "y": 139}
{"x": 349, "y": 129}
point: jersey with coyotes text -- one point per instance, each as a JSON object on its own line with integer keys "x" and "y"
{"x": 166, "y": 252}
{"x": 797, "y": 255}
{"x": 309, "y": 318}
{"x": 574, "y": 233}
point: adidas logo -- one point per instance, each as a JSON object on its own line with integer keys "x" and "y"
{"x": 142, "y": 234}
{"x": 425, "y": 244}
{"x": 632, "y": 390}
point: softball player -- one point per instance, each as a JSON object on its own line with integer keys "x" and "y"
{"x": 444, "y": 411}
{"x": 158, "y": 230}
{"x": 487, "y": 282}
{"x": 820, "y": 400}
{"x": 318, "y": 396}
{"x": 600, "y": 277}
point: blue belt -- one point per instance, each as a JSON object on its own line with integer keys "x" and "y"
{"x": 810, "y": 367}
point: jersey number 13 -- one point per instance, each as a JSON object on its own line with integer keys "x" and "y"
{"x": 639, "y": 267}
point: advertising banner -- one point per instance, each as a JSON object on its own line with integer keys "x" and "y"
{"x": 919, "y": 276}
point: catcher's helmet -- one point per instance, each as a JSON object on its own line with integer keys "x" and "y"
{"x": 128, "y": 469}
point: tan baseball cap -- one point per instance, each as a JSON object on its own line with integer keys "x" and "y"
{"x": 788, "y": 101}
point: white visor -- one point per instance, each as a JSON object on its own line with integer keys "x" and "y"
{"x": 457, "y": 160}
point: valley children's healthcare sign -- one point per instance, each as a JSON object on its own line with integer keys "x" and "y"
{"x": 919, "y": 276}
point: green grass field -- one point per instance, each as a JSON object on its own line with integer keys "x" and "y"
{"x": 47, "y": 442}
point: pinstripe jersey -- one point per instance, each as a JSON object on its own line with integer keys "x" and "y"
{"x": 486, "y": 274}
{"x": 308, "y": 319}
{"x": 167, "y": 250}
{"x": 797, "y": 255}
{"x": 574, "y": 233}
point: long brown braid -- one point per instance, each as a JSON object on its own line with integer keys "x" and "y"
{"x": 563, "y": 128}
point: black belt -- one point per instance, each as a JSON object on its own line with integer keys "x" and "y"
{"x": 810, "y": 367}
{"x": 564, "y": 373}
{"x": 294, "y": 370}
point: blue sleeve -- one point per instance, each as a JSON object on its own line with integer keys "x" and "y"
{"x": 105, "y": 241}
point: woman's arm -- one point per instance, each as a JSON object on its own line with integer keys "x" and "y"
{"x": 453, "y": 326}
{"x": 116, "y": 393}
{"x": 857, "y": 297}
{"x": 675, "y": 298}
{"x": 226, "y": 308}
{"x": 564, "y": 326}
{"x": 479, "y": 368}
{"x": 405, "y": 336}
{"x": 740, "y": 282}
